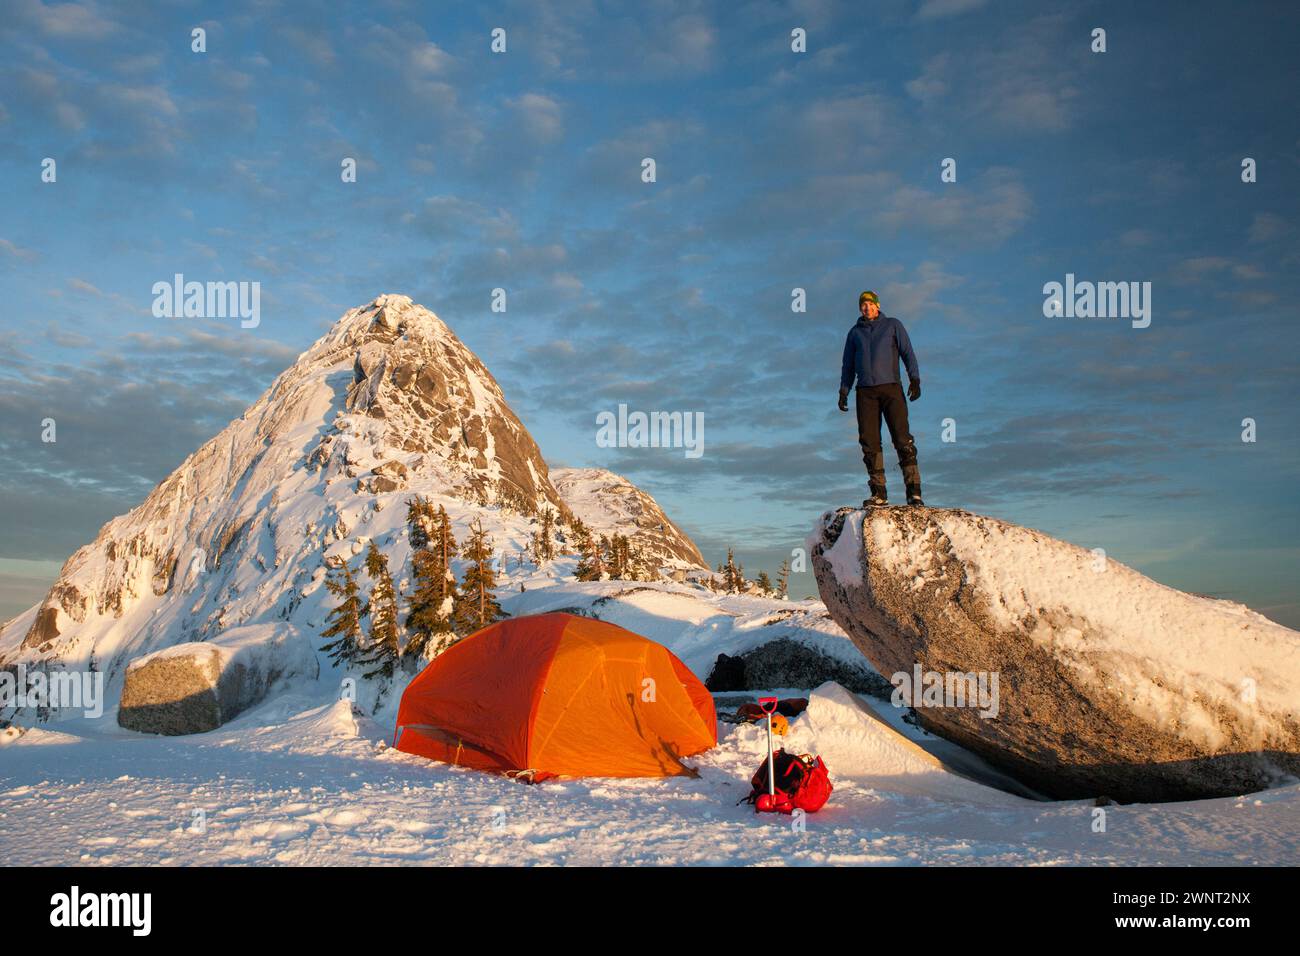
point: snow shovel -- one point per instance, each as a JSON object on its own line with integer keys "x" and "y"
{"x": 768, "y": 706}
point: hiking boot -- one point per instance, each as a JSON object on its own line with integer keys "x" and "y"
{"x": 914, "y": 497}
{"x": 878, "y": 499}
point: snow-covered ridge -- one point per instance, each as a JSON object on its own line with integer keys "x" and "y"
{"x": 608, "y": 503}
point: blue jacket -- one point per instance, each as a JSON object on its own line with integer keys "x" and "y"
{"x": 872, "y": 351}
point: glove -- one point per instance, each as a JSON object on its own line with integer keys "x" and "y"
{"x": 914, "y": 390}
{"x": 844, "y": 400}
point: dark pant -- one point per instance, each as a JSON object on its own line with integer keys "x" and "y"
{"x": 888, "y": 402}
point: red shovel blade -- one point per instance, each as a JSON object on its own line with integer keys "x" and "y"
{"x": 772, "y": 803}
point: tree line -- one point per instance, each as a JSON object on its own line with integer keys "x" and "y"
{"x": 440, "y": 609}
{"x": 730, "y": 579}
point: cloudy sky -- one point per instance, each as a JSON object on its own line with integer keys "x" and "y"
{"x": 776, "y": 170}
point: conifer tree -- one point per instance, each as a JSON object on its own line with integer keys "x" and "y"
{"x": 615, "y": 560}
{"x": 580, "y": 536}
{"x": 621, "y": 559}
{"x": 733, "y": 575}
{"x": 383, "y": 650}
{"x": 605, "y": 549}
{"x": 764, "y": 582}
{"x": 344, "y": 618}
{"x": 429, "y": 620}
{"x": 592, "y": 566}
{"x": 476, "y": 606}
{"x": 420, "y": 518}
{"x": 638, "y": 565}
{"x": 544, "y": 538}
{"x": 783, "y": 580}
{"x": 444, "y": 542}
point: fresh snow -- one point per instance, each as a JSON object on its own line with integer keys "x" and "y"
{"x": 263, "y": 648}
{"x": 307, "y": 779}
{"x": 303, "y": 779}
{"x": 301, "y": 783}
{"x": 845, "y": 556}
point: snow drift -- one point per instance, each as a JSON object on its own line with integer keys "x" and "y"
{"x": 857, "y": 744}
{"x": 1109, "y": 683}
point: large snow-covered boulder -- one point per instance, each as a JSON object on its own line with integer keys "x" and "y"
{"x": 1107, "y": 683}
{"x": 197, "y": 686}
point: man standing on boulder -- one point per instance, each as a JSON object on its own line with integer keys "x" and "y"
{"x": 871, "y": 355}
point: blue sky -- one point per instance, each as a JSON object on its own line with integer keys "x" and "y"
{"x": 775, "y": 170}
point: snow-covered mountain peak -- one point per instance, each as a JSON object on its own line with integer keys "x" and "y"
{"x": 420, "y": 401}
{"x": 388, "y": 404}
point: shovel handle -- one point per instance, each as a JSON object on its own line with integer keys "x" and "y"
{"x": 768, "y": 706}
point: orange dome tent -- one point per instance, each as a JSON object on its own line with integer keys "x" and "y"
{"x": 558, "y": 694}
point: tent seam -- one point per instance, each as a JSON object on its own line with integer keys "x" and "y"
{"x": 537, "y": 698}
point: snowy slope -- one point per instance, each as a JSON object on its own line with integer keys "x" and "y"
{"x": 610, "y": 504}
{"x": 299, "y": 783}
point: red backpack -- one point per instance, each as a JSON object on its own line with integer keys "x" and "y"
{"x": 802, "y": 783}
